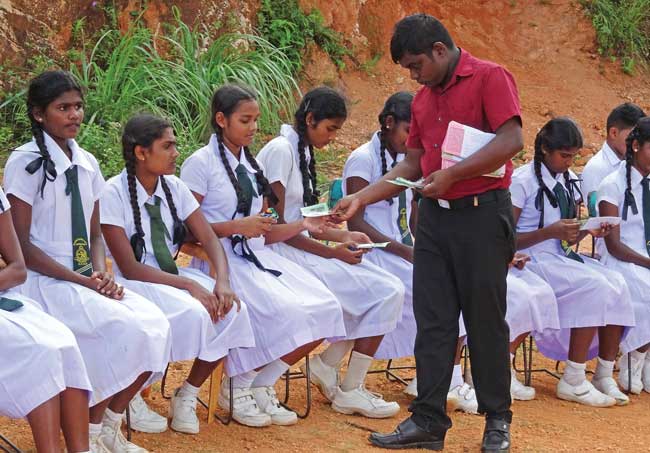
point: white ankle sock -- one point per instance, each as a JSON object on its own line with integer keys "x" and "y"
{"x": 357, "y": 371}
{"x": 456, "y": 377}
{"x": 604, "y": 369}
{"x": 94, "y": 429}
{"x": 335, "y": 352}
{"x": 271, "y": 372}
{"x": 112, "y": 417}
{"x": 640, "y": 356}
{"x": 189, "y": 389}
{"x": 244, "y": 380}
{"x": 574, "y": 373}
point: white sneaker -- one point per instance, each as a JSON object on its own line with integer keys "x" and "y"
{"x": 114, "y": 441}
{"x": 607, "y": 385}
{"x": 143, "y": 419}
{"x": 182, "y": 411}
{"x": 325, "y": 377}
{"x": 519, "y": 391}
{"x": 637, "y": 374}
{"x": 245, "y": 409}
{"x": 465, "y": 398}
{"x": 267, "y": 401}
{"x": 361, "y": 401}
{"x": 412, "y": 388}
{"x": 584, "y": 393}
{"x": 96, "y": 445}
{"x": 645, "y": 375}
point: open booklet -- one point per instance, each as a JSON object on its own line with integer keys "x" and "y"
{"x": 317, "y": 210}
{"x": 461, "y": 142}
{"x": 374, "y": 245}
{"x": 399, "y": 181}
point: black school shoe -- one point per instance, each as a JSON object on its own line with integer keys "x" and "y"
{"x": 496, "y": 437}
{"x": 408, "y": 435}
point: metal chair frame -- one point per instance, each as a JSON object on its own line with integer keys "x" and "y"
{"x": 6, "y": 446}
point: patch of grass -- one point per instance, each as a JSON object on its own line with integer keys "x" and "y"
{"x": 369, "y": 66}
{"x": 286, "y": 26}
{"x": 125, "y": 73}
{"x": 622, "y": 29}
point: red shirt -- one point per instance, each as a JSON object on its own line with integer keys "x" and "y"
{"x": 480, "y": 94}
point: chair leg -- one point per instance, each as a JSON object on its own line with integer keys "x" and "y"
{"x": 9, "y": 447}
{"x": 213, "y": 395}
{"x": 162, "y": 384}
{"x": 629, "y": 372}
{"x": 128, "y": 423}
{"x": 288, "y": 376}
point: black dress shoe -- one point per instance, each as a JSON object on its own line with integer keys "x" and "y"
{"x": 496, "y": 437}
{"x": 409, "y": 435}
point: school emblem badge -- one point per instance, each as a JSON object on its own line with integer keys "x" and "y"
{"x": 81, "y": 257}
{"x": 402, "y": 219}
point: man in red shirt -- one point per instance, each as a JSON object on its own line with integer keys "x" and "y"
{"x": 465, "y": 235}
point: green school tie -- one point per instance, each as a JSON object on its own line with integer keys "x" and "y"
{"x": 246, "y": 187}
{"x": 645, "y": 183}
{"x": 563, "y": 202}
{"x": 402, "y": 220}
{"x": 158, "y": 234}
{"x": 81, "y": 262}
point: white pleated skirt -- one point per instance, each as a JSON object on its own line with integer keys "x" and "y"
{"x": 194, "y": 335}
{"x": 286, "y": 312}
{"x": 588, "y": 295}
{"x": 40, "y": 358}
{"x": 119, "y": 340}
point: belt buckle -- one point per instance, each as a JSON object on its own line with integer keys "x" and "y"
{"x": 444, "y": 204}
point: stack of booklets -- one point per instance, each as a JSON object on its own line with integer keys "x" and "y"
{"x": 461, "y": 142}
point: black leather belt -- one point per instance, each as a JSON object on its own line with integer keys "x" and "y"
{"x": 472, "y": 201}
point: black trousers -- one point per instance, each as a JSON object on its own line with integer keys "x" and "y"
{"x": 460, "y": 264}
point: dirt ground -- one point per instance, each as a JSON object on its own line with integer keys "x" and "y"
{"x": 545, "y": 424}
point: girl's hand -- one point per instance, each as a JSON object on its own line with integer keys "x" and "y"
{"x": 104, "y": 283}
{"x": 226, "y": 297}
{"x": 358, "y": 237}
{"x": 316, "y": 224}
{"x": 348, "y": 253}
{"x": 208, "y": 300}
{"x": 519, "y": 260}
{"x": 565, "y": 230}
{"x": 255, "y": 225}
{"x": 605, "y": 229}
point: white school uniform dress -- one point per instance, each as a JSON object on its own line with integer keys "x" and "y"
{"x": 40, "y": 357}
{"x": 365, "y": 163}
{"x": 286, "y": 311}
{"x": 371, "y": 298}
{"x": 119, "y": 340}
{"x": 612, "y": 190}
{"x": 194, "y": 335}
{"x": 588, "y": 294}
{"x": 601, "y": 165}
{"x": 531, "y": 304}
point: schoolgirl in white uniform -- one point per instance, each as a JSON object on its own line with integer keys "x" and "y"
{"x": 291, "y": 312}
{"x": 591, "y": 298}
{"x": 54, "y": 188}
{"x": 144, "y": 211}
{"x": 371, "y": 298}
{"x": 42, "y": 372}
{"x": 626, "y": 193}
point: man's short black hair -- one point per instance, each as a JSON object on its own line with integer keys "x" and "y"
{"x": 625, "y": 116}
{"x": 416, "y": 34}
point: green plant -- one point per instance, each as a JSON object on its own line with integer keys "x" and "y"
{"x": 124, "y": 73}
{"x": 622, "y": 29}
{"x": 286, "y": 26}
{"x": 369, "y": 66}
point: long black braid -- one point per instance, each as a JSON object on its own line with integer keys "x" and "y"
{"x": 559, "y": 133}
{"x": 397, "y": 106}
{"x": 323, "y": 103}
{"x": 143, "y": 130}
{"x": 42, "y": 91}
{"x": 640, "y": 134}
{"x": 226, "y": 100}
